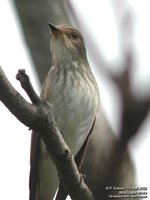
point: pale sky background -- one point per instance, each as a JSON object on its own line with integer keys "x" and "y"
{"x": 14, "y": 54}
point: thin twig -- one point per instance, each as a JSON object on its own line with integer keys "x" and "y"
{"x": 26, "y": 85}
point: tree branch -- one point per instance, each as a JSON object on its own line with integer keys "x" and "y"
{"x": 39, "y": 117}
{"x": 26, "y": 85}
{"x": 16, "y": 104}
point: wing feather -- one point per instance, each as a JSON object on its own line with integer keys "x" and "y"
{"x": 34, "y": 157}
{"x": 79, "y": 158}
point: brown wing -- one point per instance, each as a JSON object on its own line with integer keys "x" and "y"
{"x": 79, "y": 158}
{"x": 34, "y": 156}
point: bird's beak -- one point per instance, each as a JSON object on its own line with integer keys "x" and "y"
{"x": 53, "y": 28}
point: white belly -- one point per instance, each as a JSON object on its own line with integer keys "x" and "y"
{"x": 74, "y": 109}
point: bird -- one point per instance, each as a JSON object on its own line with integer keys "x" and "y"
{"x": 72, "y": 91}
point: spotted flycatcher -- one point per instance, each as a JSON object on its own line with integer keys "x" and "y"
{"x": 71, "y": 89}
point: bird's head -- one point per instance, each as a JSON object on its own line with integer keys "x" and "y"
{"x": 66, "y": 43}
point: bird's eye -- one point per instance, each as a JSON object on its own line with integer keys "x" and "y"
{"x": 74, "y": 35}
